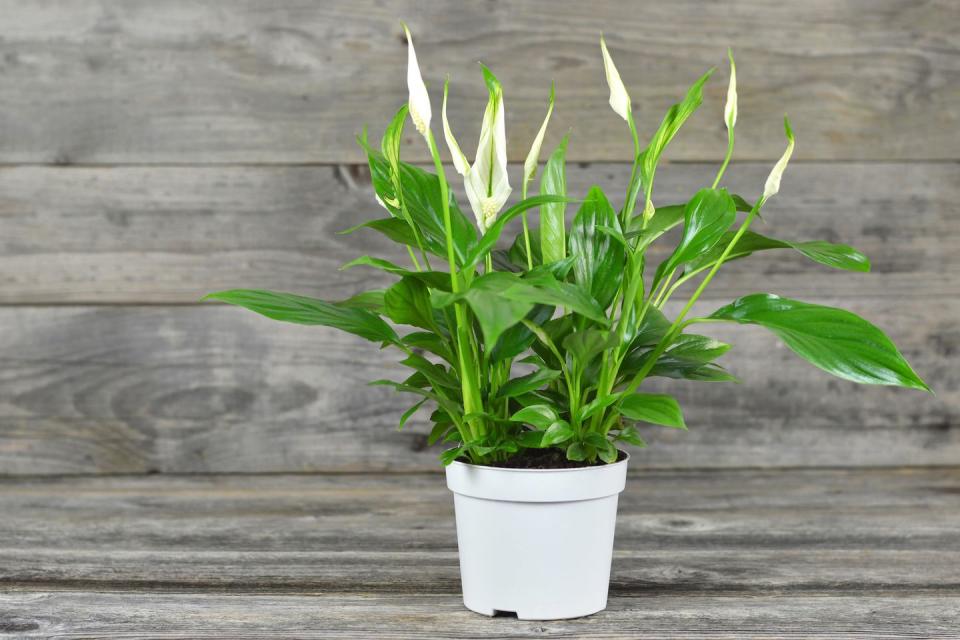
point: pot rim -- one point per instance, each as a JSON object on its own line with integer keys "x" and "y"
{"x": 595, "y": 467}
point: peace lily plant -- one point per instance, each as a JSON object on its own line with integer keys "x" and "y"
{"x": 547, "y": 344}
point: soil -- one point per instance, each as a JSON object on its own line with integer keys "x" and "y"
{"x": 546, "y": 459}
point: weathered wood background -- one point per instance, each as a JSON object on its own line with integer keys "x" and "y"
{"x": 151, "y": 152}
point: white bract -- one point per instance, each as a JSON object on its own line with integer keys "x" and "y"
{"x": 419, "y": 100}
{"x": 772, "y": 186}
{"x": 619, "y": 98}
{"x": 485, "y": 181}
{"x": 533, "y": 158}
{"x": 730, "y": 109}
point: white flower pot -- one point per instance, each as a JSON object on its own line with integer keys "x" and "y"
{"x": 537, "y": 542}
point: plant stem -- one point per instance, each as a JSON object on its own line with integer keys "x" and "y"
{"x": 472, "y": 402}
{"x": 726, "y": 160}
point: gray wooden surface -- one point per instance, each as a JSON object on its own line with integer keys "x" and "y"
{"x": 183, "y": 470}
{"x": 187, "y": 81}
{"x": 735, "y": 553}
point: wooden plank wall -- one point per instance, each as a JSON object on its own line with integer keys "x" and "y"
{"x": 151, "y": 152}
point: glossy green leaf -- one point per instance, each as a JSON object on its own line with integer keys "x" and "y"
{"x": 434, "y": 373}
{"x": 835, "y": 340}
{"x": 289, "y": 307}
{"x": 696, "y": 348}
{"x": 429, "y": 341}
{"x": 577, "y": 452}
{"x": 433, "y": 279}
{"x": 553, "y": 181}
{"x": 838, "y": 256}
{"x": 557, "y": 433}
{"x": 655, "y": 408}
{"x": 370, "y": 300}
{"x": 599, "y": 259}
{"x": 408, "y": 302}
{"x": 408, "y": 413}
{"x": 669, "y": 126}
{"x": 528, "y": 383}
{"x": 500, "y": 300}
{"x": 706, "y": 218}
{"x": 630, "y": 435}
{"x": 586, "y": 345}
{"x": 518, "y": 338}
{"x": 420, "y": 193}
{"x": 540, "y": 416}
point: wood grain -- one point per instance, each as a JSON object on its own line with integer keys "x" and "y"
{"x": 737, "y": 553}
{"x": 173, "y": 234}
{"x": 217, "y": 389}
{"x": 135, "y": 81}
{"x": 131, "y": 616}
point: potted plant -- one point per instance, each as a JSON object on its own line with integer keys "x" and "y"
{"x": 532, "y": 358}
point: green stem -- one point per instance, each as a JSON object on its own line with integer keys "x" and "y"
{"x": 472, "y": 402}
{"x": 631, "y": 202}
{"x": 726, "y": 160}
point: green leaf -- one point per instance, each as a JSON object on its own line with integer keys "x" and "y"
{"x": 370, "y": 300}
{"x": 540, "y": 416}
{"x": 431, "y": 342}
{"x": 408, "y": 302}
{"x": 577, "y": 452}
{"x": 518, "y": 338}
{"x": 433, "y": 279}
{"x": 630, "y": 435}
{"x": 597, "y": 404}
{"x": 289, "y": 307}
{"x": 553, "y": 181}
{"x": 586, "y": 345}
{"x": 706, "y": 218}
{"x": 500, "y": 300}
{"x": 489, "y": 239}
{"x": 450, "y": 455}
{"x": 835, "y": 340}
{"x": 652, "y": 329}
{"x": 695, "y": 348}
{"x": 838, "y": 256}
{"x": 409, "y": 412}
{"x": 669, "y": 126}
{"x": 527, "y": 383}
{"x": 655, "y": 408}
{"x": 394, "y": 228}
{"x": 557, "y": 433}
{"x": 531, "y": 439}
{"x": 438, "y": 431}
{"x": 434, "y": 373}
{"x": 599, "y": 258}
{"x": 420, "y": 193}
{"x": 608, "y": 452}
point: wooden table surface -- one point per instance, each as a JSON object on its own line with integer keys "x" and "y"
{"x": 872, "y": 553}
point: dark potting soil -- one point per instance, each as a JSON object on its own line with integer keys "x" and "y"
{"x": 546, "y": 459}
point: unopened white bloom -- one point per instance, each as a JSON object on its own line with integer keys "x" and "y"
{"x": 773, "y": 180}
{"x": 619, "y": 98}
{"x": 533, "y": 158}
{"x": 485, "y": 181}
{"x": 730, "y": 109}
{"x": 419, "y": 98}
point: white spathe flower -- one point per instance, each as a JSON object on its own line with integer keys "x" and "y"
{"x": 619, "y": 98}
{"x": 533, "y": 158}
{"x": 772, "y": 186}
{"x": 485, "y": 181}
{"x": 730, "y": 109}
{"x": 419, "y": 100}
